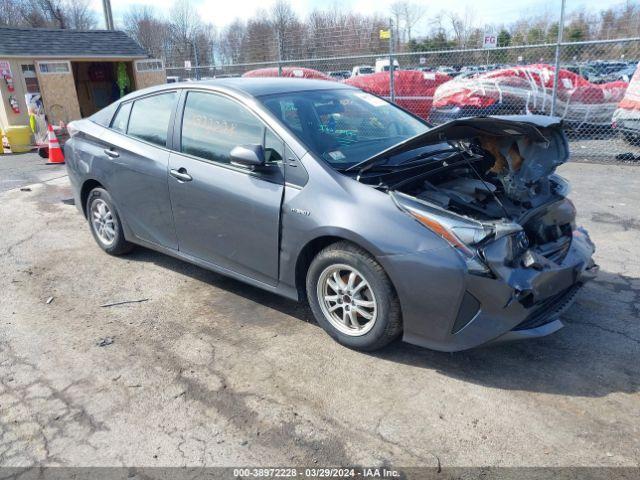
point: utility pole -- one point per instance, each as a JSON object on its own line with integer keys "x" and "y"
{"x": 392, "y": 89}
{"x": 280, "y": 43}
{"x": 554, "y": 94}
{"x": 108, "y": 15}
{"x": 195, "y": 54}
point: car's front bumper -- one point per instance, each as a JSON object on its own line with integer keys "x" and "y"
{"x": 446, "y": 308}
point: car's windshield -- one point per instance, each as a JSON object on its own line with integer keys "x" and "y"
{"x": 343, "y": 126}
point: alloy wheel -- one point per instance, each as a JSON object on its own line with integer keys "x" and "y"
{"x": 103, "y": 222}
{"x": 347, "y": 300}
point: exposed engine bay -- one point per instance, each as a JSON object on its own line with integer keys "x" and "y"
{"x": 486, "y": 182}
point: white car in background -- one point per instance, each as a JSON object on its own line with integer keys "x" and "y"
{"x": 362, "y": 70}
{"x": 382, "y": 64}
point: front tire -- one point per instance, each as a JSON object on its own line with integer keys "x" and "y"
{"x": 352, "y": 298}
{"x": 105, "y": 223}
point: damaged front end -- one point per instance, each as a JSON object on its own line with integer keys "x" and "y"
{"x": 491, "y": 192}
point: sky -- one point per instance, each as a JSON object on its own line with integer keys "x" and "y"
{"x": 223, "y": 12}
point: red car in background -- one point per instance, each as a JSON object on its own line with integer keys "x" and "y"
{"x": 529, "y": 89}
{"x": 414, "y": 90}
{"x": 291, "y": 72}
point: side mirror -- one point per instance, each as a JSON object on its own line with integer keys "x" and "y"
{"x": 248, "y": 156}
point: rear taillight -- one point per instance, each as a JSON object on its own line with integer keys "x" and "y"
{"x": 71, "y": 129}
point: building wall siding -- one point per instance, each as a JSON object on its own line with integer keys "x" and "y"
{"x": 7, "y": 116}
{"x": 149, "y": 79}
{"x": 59, "y": 96}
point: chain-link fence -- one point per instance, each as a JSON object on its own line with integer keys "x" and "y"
{"x": 589, "y": 90}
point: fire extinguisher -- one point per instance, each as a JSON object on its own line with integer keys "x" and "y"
{"x": 9, "y": 80}
{"x": 14, "y": 104}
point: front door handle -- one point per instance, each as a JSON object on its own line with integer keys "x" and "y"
{"x": 111, "y": 153}
{"x": 181, "y": 174}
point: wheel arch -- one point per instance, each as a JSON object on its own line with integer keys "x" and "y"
{"x": 87, "y": 186}
{"x": 309, "y": 251}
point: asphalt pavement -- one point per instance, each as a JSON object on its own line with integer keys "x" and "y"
{"x": 203, "y": 370}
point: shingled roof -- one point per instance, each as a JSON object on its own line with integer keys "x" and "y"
{"x": 56, "y": 43}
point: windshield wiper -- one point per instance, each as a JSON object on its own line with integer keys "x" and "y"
{"x": 409, "y": 163}
{"x": 364, "y": 165}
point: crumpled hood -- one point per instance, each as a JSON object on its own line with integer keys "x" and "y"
{"x": 513, "y": 126}
{"x": 526, "y": 149}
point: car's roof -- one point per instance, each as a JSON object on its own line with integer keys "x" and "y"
{"x": 259, "y": 86}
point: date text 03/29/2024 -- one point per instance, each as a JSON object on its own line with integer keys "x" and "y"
{"x": 316, "y": 472}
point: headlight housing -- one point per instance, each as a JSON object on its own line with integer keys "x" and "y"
{"x": 462, "y": 233}
{"x": 561, "y": 186}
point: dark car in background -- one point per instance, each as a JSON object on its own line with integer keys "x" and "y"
{"x": 453, "y": 236}
{"x": 339, "y": 74}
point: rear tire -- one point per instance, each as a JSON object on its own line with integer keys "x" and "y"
{"x": 352, "y": 297}
{"x": 105, "y": 223}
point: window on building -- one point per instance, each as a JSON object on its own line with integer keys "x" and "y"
{"x": 54, "y": 67}
{"x": 149, "y": 118}
{"x": 213, "y": 125}
{"x": 30, "y": 78}
{"x": 149, "y": 65}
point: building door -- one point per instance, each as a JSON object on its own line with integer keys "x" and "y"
{"x": 58, "y": 91}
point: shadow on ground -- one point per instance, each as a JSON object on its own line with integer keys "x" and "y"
{"x": 595, "y": 355}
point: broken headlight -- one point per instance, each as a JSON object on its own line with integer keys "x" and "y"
{"x": 460, "y": 232}
{"x": 560, "y": 185}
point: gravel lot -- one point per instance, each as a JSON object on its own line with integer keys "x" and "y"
{"x": 209, "y": 371}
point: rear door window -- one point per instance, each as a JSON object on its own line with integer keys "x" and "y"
{"x": 150, "y": 116}
{"x": 121, "y": 119}
{"x": 212, "y": 125}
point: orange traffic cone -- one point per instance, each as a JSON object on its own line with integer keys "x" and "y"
{"x": 55, "y": 152}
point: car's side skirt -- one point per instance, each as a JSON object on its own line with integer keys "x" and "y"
{"x": 280, "y": 289}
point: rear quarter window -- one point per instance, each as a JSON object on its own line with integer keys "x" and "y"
{"x": 121, "y": 120}
{"x": 103, "y": 117}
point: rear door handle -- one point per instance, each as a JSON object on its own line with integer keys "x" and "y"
{"x": 181, "y": 174}
{"x": 111, "y": 153}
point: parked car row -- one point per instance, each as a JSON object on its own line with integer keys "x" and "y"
{"x": 597, "y": 71}
{"x": 626, "y": 118}
{"x": 607, "y": 71}
{"x": 529, "y": 89}
{"x": 444, "y": 93}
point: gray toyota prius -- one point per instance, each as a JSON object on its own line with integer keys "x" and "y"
{"x": 452, "y": 236}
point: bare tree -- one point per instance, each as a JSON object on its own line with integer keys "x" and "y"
{"x": 406, "y": 15}
{"x": 183, "y": 27}
{"x": 260, "y": 42}
{"x": 412, "y": 14}
{"x": 231, "y": 42}
{"x": 144, "y": 25}
{"x": 43, "y": 13}
{"x": 205, "y": 41}
{"x": 462, "y": 27}
{"x": 396, "y": 15}
{"x": 285, "y": 22}
{"x": 80, "y": 15}
{"x": 10, "y": 13}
